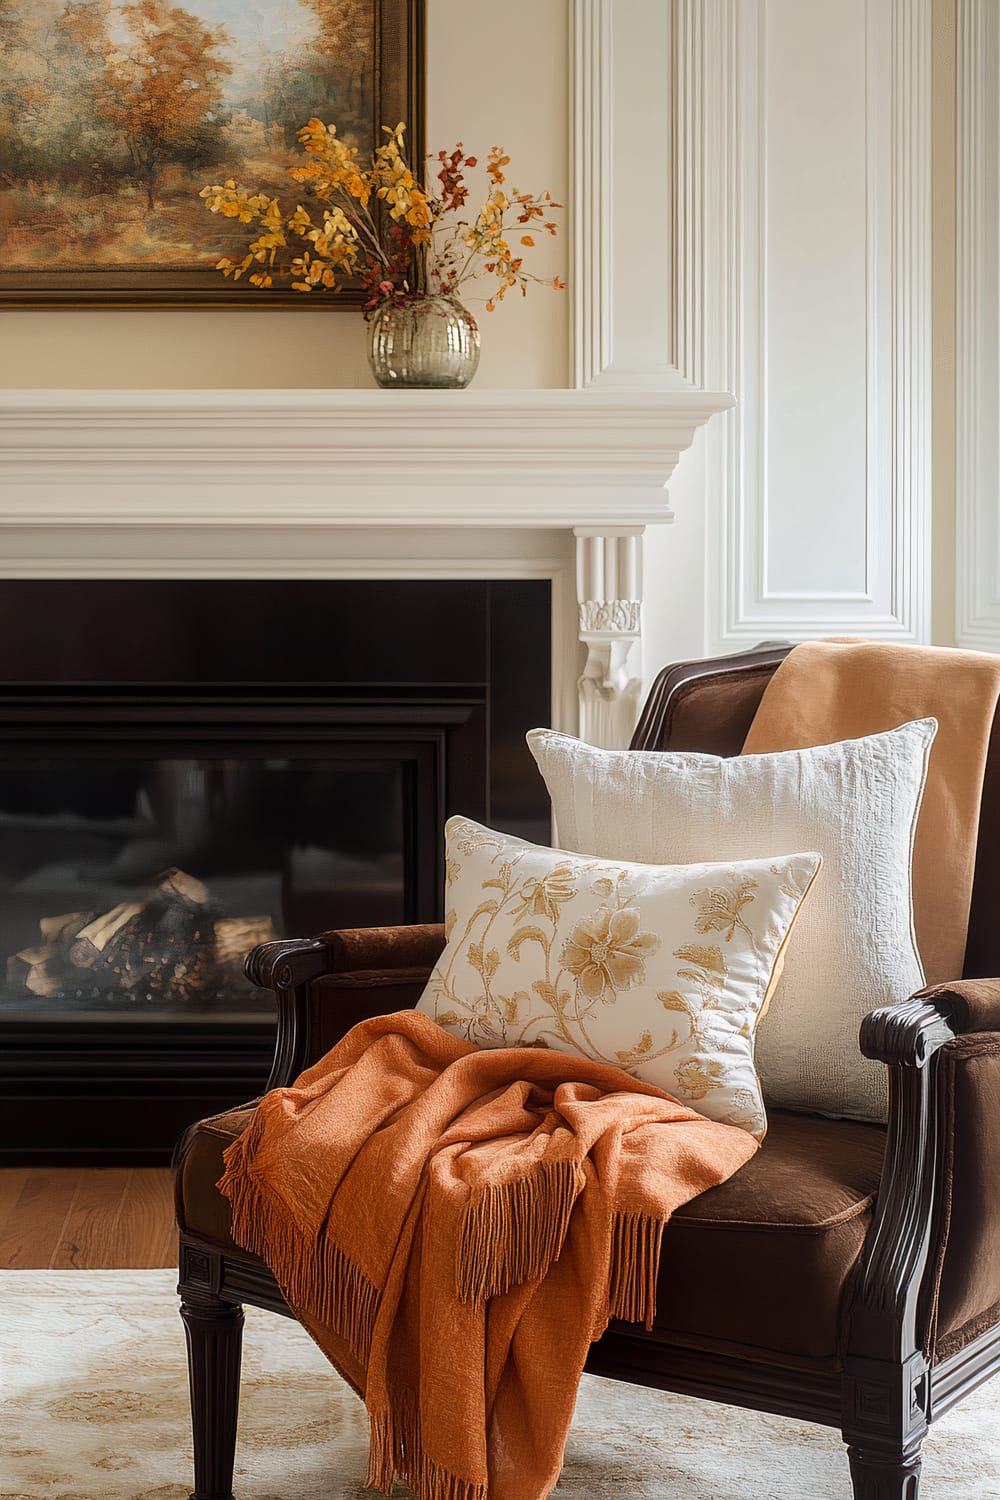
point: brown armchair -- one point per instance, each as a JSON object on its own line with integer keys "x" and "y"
{"x": 851, "y": 1271}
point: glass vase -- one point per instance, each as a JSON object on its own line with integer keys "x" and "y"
{"x": 432, "y": 342}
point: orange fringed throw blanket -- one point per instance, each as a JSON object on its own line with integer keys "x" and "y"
{"x": 843, "y": 689}
{"x": 455, "y": 1226}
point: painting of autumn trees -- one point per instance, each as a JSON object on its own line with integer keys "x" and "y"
{"x": 114, "y": 113}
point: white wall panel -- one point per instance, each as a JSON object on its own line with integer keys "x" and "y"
{"x": 977, "y": 478}
{"x": 813, "y": 404}
{"x": 818, "y": 497}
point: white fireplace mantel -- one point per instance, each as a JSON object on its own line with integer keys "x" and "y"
{"x": 353, "y": 483}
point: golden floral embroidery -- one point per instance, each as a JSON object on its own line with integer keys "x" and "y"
{"x": 705, "y": 970}
{"x": 607, "y": 952}
{"x": 542, "y": 896}
{"x": 719, "y": 909}
{"x": 695, "y": 1078}
{"x": 709, "y": 962}
{"x": 511, "y": 1005}
{"x": 475, "y": 839}
{"x": 631, "y": 1056}
{"x": 487, "y": 963}
{"x": 747, "y": 1112}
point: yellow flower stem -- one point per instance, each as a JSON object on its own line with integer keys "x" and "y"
{"x": 595, "y": 1051}
{"x": 363, "y": 222}
{"x": 744, "y": 928}
{"x": 358, "y": 215}
{"x": 468, "y": 931}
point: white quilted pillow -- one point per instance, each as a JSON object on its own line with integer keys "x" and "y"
{"x": 855, "y": 802}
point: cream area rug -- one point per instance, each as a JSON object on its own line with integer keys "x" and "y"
{"x": 95, "y": 1407}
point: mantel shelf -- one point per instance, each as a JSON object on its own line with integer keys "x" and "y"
{"x": 344, "y": 457}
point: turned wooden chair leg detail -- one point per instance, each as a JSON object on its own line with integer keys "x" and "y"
{"x": 879, "y": 1476}
{"x": 214, "y": 1331}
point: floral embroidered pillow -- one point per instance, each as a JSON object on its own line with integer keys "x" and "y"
{"x": 663, "y": 970}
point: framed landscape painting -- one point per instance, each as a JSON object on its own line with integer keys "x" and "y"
{"x": 115, "y": 113}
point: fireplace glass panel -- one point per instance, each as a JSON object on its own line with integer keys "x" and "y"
{"x": 135, "y": 887}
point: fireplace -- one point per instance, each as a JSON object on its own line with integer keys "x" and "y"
{"x": 188, "y": 768}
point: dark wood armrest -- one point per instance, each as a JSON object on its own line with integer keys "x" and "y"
{"x": 889, "y": 1319}
{"x": 287, "y": 963}
{"x": 356, "y": 964}
{"x": 907, "y": 1035}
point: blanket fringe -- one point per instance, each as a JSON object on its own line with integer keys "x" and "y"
{"x": 396, "y": 1450}
{"x": 316, "y": 1279}
{"x": 635, "y": 1260}
{"x": 512, "y": 1232}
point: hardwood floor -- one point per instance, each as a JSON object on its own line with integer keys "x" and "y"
{"x": 86, "y": 1218}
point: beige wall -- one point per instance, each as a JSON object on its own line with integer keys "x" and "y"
{"x": 491, "y": 80}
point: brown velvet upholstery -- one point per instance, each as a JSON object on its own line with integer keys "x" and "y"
{"x": 391, "y": 948}
{"x": 982, "y": 948}
{"x": 968, "y": 1296}
{"x": 968, "y": 1288}
{"x": 973, "y": 1004}
{"x": 706, "y": 711}
{"x": 759, "y": 1262}
{"x": 197, "y": 1168}
{"x": 339, "y": 1001}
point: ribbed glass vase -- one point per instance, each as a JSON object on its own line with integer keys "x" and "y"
{"x": 433, "y": 342}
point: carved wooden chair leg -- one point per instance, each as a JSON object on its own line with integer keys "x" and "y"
{"x": 214, "y": 1331}
{"x": 885, "y": 1476}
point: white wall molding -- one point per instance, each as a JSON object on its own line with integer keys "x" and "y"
{"x": 640, "y": 293}
{"x": 977, "y": 333}
{"x": 703, "y": 93}
{"x": 590, "y": 197}
{"x": 885, "y": 591}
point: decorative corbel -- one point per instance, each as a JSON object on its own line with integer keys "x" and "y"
{"x": 609, "y": 595}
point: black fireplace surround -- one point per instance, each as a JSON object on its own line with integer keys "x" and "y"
{"x": 188, "y": 768}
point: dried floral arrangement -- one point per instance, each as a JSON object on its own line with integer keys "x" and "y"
{"x": 378, "y": 222}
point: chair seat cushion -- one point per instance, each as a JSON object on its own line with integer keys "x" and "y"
{"x": 755, "y": 1267}
{"x": 758, "y": 1265}
{"x": 201, "y": 1208}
